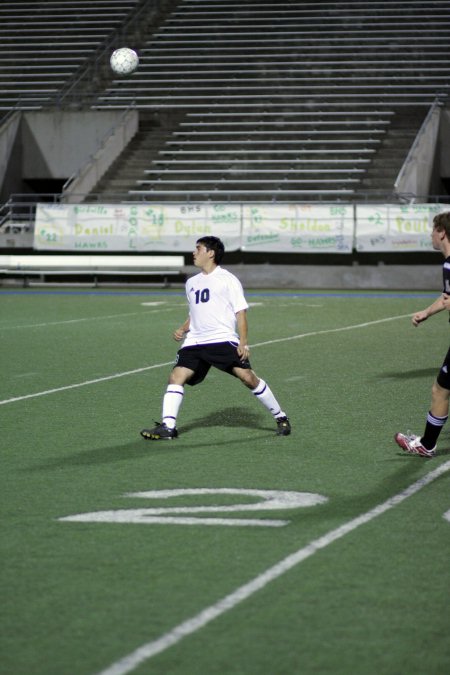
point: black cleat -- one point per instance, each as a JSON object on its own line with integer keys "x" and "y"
{"x": 159, "y": 433}
{"x": 283, "y": 426}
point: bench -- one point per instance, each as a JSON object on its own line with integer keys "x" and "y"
{"x": 27, "y": 266}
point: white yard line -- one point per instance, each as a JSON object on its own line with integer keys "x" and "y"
{"x": 229, "y": 602}
{"x": 84, "y": 384}
{"x": 332, "y": 330}
{"x": 87, "y": 318}
{"x": 161, "y": 365}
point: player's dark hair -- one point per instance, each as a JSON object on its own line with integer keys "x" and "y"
{"x": 213, "y": 244}
{"x": 441, "y": 223}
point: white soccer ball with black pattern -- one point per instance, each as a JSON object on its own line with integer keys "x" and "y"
{"x": 124, "y": 61}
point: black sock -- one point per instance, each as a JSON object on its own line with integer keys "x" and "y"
{"x": 432, "y": 430}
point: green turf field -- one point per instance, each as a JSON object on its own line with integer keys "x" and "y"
{"x": 357, "y": 583}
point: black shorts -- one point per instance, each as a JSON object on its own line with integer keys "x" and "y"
{"x": 444, "y": 374}
{"x": 200, "y": 358}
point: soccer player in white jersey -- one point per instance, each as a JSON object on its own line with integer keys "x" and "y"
{"x": 215, "y": 334}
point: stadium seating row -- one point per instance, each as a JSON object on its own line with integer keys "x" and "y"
{"x": 44, "y": 44}
{"x": 236, "y": 99}
{"x": 283, "y": 99}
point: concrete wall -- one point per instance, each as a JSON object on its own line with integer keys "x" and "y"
{"x": 56, "y": 144}
{"x": 85, "y": 179}
{"x": 416, "y": 174}
{"x": 10, "y": 156}
{"x": 444, "y": 143}
{"x": 8, "y": 136}
{"x": 339, "y": 277}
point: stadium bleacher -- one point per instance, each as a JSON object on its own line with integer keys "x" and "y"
{"x": 43, "y": 45}
{"x": 284, "y": 99}
{"x": 237, "y": 100}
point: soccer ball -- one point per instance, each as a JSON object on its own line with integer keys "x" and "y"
{"x": 124, "y": 61}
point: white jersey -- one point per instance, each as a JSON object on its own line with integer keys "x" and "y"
{"x": 214, "y": 299}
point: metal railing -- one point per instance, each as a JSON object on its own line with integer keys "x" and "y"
{"x": 19, "y": 211}
{"x": 17, "y": 214}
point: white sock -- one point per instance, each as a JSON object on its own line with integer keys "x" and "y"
{"x": 173, "y": 398}
{"x": 264, "y": 394}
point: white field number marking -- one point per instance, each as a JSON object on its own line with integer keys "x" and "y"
{"x": 447, "y": 516}
{"x": 191, "y": 625}
{"x": 269, "y": 500}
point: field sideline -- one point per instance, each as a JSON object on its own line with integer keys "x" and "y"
{"x": 324, "y": 552}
